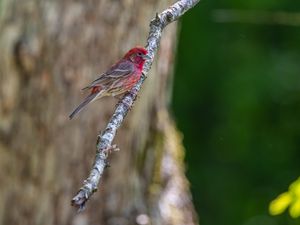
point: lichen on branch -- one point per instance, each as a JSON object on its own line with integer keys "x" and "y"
{"x": 105, "y": 139}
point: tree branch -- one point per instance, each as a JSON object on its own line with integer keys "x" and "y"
{"x": 105, "y": 139}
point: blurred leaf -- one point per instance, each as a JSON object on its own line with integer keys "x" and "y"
{"x": 290, "y": 198}
{"x": 278, "y": 205}
{"x": 295, "y": 188}
{"x": 295, "y": 209}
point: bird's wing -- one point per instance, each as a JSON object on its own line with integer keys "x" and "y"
{"x": 121, "y": 69}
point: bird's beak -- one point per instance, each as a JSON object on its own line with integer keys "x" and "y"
{"x": 146, "y": 57}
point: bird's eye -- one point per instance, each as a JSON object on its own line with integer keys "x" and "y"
{"x": 139, "y": 54}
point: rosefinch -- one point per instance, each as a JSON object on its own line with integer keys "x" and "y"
{"x": 118, "y": 79}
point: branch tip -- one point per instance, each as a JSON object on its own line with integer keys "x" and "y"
{"x": 79, "y": 200}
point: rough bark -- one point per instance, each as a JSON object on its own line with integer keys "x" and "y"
{"x": 49, "y": 50}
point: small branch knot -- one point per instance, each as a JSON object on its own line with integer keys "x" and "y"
{"x": 111, "y": 149}
{"x": 169, "y": 17}
{"x": 157, "y": 16}
{"x": 156, "y": 21}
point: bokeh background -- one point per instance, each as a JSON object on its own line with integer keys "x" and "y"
{"x": 49, "y": 50}
{"x": 236, "y": 100}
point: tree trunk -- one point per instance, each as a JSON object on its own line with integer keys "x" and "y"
{"x": 49, "y": 51}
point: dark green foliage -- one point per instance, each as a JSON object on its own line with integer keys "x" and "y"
{"x": 237, "y": 101}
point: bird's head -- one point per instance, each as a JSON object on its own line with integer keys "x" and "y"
{"x": 137, "y": 55}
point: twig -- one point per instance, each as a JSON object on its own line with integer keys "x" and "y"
{"x": 105, "y": 139}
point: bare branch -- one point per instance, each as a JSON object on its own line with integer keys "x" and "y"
{"x": 105, "y": 139}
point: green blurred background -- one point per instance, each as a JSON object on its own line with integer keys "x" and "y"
{"x": 237, "y": 101}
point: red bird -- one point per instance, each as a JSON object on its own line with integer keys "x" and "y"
{"x": 118, "y": 79}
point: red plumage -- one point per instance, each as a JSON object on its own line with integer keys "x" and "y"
{"x": 118, "y": 79}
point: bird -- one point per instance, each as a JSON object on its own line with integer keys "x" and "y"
{"x": 118, "y": 79}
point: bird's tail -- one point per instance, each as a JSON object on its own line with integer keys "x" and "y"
{"x": 87, "y": 100}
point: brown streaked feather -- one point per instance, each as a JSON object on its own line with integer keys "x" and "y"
{"x": 122, "y": 69}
